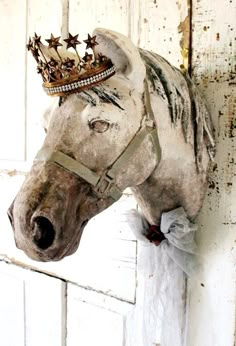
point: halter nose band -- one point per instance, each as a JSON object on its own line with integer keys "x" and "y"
{"x": 104, "y": 184}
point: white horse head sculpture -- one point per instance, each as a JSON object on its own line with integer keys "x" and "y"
{"x": 146, "y": 128}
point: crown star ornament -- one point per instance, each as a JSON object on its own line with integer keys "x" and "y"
{"x": 65, "y": 74}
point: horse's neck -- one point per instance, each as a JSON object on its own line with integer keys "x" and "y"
{"x": 172, "y": 184}
{"x": 154, "y": 197}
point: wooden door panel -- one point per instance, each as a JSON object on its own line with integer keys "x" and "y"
{"x": 12, "y": 86}
{"x": 12, "y": 328}
{"x": 32, "y": 308}
{"x": 95, "y": 319}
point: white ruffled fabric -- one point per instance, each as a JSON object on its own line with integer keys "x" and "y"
{"x": 162, "y": 277}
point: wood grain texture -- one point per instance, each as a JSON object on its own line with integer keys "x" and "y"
{"x": 159, "y": 26}
{"x": 84, "y": 17}
{"x": 38, "y": 14}
{"x": 12, "y": 88}
{"x": 12, "y": 308}
{"x": 212, "y": 296}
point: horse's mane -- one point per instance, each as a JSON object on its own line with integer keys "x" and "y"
{"x": 186, "y": 105}
{"x": 104, "y": 94}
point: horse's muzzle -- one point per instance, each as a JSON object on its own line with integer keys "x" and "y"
{"x": 50, "y": 212}
{"x": 43, "y": 239}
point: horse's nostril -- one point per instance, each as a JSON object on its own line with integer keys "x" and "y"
{"x": 44, "y": 232}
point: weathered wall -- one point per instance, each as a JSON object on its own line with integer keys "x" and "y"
{"x": 212, "y": 296}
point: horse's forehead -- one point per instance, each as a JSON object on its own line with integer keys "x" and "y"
{"x": 93, "y": 105}
{"x": 73, "y": 104}
{"x": 81, "y": 109}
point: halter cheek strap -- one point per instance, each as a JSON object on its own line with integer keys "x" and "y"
{"x": 105, "y": 184}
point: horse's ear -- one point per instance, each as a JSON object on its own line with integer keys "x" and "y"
{"x": 123, "y": 54}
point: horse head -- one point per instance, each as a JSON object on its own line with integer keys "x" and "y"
{"x": 137, "y": 129}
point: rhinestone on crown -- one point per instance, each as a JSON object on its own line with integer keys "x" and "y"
{"x": 63, "y": 76}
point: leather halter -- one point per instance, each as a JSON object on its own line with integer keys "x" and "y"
{"x": 105, "y": 184}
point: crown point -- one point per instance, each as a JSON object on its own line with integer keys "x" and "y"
{"x": 88, "y": 60}
{"x": 91, "y": 42}
{"x": 29, "y": 46}
{"x": 53, "y": 42}
{"x": 72, "y": 41}
{"x": 68, "y": 64}
{"x": 37, "y": 39}
{"x": 52, "y": 63}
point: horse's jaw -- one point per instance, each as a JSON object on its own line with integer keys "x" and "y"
{"x": 50, "y": 212}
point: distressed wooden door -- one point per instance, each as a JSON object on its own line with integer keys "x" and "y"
{"x": 97, "y": 287}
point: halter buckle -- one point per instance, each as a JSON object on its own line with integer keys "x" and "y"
{"x": 105, "y": 183}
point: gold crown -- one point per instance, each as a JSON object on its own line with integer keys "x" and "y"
{"x": 65, "y": 75}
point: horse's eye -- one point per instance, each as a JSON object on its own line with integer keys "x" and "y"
{"x": 99, "y": 126}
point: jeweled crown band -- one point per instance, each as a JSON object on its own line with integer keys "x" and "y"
{"x": 79, "y": 85}
{"x": 64, "y": 75}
